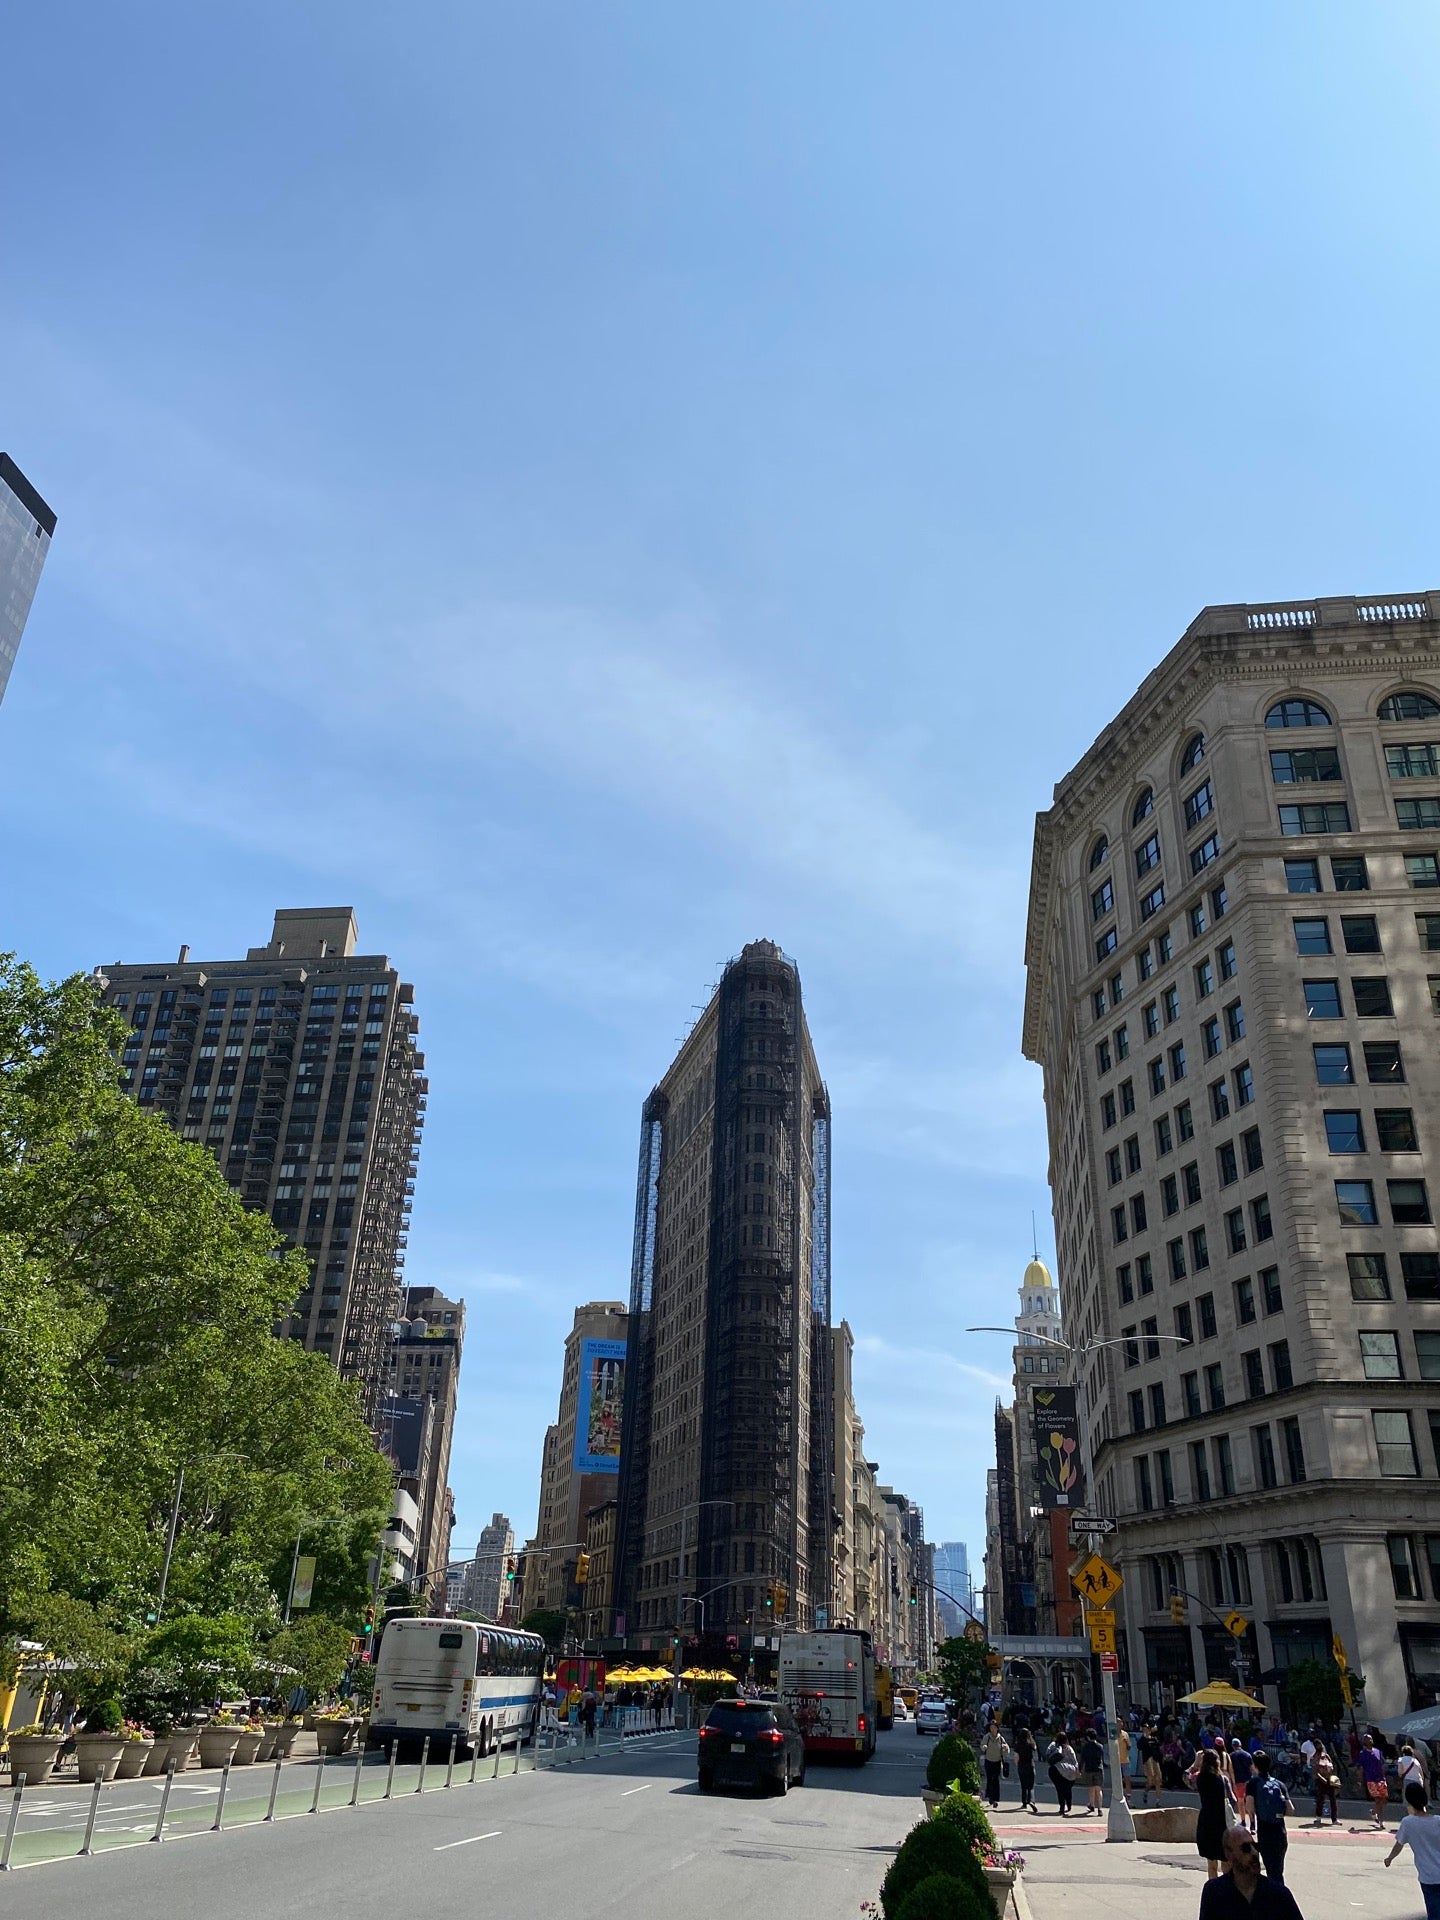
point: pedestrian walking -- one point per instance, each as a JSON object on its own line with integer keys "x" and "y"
{"x": 1410, "y": 1770}
{"x": 1063, "y": 1767}
{"x": 1242, "y": 1892}
{"x": 1210, "y": 1784}
{"x": 1092, "y": 1772}
{"x": 1271, "y": 1804}
{"x": 1025, "y": 1767}
{"x": 1242, "y": 1766}
{"x": 588, "y": 1708}
{"x": 996, "y": 1754}
{"x": 1327, "y": 1786}
{"x": 1420, "y": 1831}
{"x": 1371, "y": 1762}
{"x": 1150, "y": 1760}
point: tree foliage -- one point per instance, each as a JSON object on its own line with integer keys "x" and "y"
{"x": 960, "y": 1667}
{"x": 1312, "y": 1691}
{"x": 138, "y": 1299}
{"x": 548, "y": 1622}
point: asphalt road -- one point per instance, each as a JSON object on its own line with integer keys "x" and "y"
{"x": 626, "y": 1834}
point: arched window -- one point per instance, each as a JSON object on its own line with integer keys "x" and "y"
{"x": 1297, "y": 713}
{"x": 1099, "y": 853}
{"x": 1410, "y": 706}
{"x": 1143, "y": 808}
{"x": 1194, "y": 752}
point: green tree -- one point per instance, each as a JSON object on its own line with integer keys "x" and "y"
{"x": 138, "y": 1299}
{"x": 1312, "y": 1691}
{"x": 549, "y": 1623}
{"x": 316, "y": 1648}
{"x": 960, "y": 1667}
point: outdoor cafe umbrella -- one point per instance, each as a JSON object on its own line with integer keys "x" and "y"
{"x": 1424, "y": 1725}
{"x": 1220, "y": 1693}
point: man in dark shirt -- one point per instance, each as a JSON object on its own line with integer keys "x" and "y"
{"x": 1242, "y": 1892}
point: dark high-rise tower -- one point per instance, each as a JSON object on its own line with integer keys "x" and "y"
{"x": 726, "y": 1462}
{"x": 297, "y": 1067}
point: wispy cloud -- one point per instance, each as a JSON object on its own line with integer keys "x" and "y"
{"x": 916, "y": 1362}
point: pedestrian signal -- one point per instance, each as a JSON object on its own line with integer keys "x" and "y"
{"x": 1177, "y": 1609}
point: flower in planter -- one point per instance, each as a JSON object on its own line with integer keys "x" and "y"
{"x": 134, "y": 1731}
{"x": 34, "y": 1732}
{"x": 226, "y": 1719}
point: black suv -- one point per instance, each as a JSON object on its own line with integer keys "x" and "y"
{"x": 751, "y": 1743}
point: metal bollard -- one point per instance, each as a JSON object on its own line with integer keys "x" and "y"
{"x": 474, "y": 1756}
{"x": 319, "y": 1782}
{"x": 359, "y": 1763}
{"x": 450, "y": 1764}
{"x": 496, "y": 1774}
{"x": 90, "y": 1823}
{"x": 274, "y": 1789}
{"x": 5, "y": 1866}
{"x": 517, "y": 1752}
{"x": 220, "y": 1803}
{"x": 424, "y": 1759}
{"x": 159, "y": 1832}
{"x": 390, "y": 1775}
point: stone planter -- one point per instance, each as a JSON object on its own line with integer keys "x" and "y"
{"x": 218, "y": 1744}
{"x": 1165, "y": 1823}
{"x": 97, "y": 1755}
{"x": 133, "y": 1759}
{"x": 285, "y": 1735}
{"x": 266, "y": 1750}
{"x": 34, "y": 1755}
{"x": 179, "y": 1747}
{"x": 248, "y": 1746}
{"x": 335, "y": 1736}
{"x": 308, "y": 1723}
{"x": 1001, "y": 1882}
{"x": 932, "y": 1800}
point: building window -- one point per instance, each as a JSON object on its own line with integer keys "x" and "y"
{"x": 1163, "y": 1141}
{"x": 1103, "y": 1062}
{"x": 1303, "y": 876}
{"x": 1150, "y": 1020}
{"x": 1182, "y": 1323}
{"x": 1261, "y": 1223}
{"x": 1152, "y": 902}
{"x": 1198, "y": 922}
{"x": 1156, "y": 1071}
{"x": 1190, "y": 1178}
{"x": 1322, "y": 999}
{"x": 1171, "y": 1000}
{"x": 1383, "y": 1064}
{"x": 1423, "y": 869}
{"x": 1137, "y": 1411}
{"x": 1199, "y": 1250}
{"x": 1356, "y": 1202}
{"x": 1224, "y": 1468}
{"x": 1144, "y": 965}
{"x": 1229, "y": 966}
{"x": 1122, "y": 1043}
{"x": 1265, "y": 1472}
{"x": 1300, "y": 766}
{"x": 1107, "y": 1110}
{"x": 1361, "y": 932}
{"x": 1427, "y": 1355}
{"x": 1202, "y": 856}
{"x": 1143, "y": 1497}
{"x": 1124, "y": 1284}
{"x": 1175, "y": 1253}
{"x": 1204, "y": 980}
{"x": 1253, "y": 1368}
{"x": 1235, "y": 1020}
{"x": 1200, "y": 804}
{"x": 1102, "y": 900}
{"x": 1205, "y": 1307}
{"x": 1157, "y": 1404}
{"x": 1147, "y": 855}
{"x": 1244, "y": 1083}
{"x": 1210, "y": 1040}
{"x": 1372, "y": 996}
{"x": 1297, "y": 713}
{"x": 1250, "y": 1148}
{"x": 1199, "y": 1468}
{"x": 1395, "y": 1130}
{"x": 1190, "y": 1395}
{"x": 1144, "y": 1279}
{"x": 1143, "y": 807}
{"x": 1167, "y": 1482}
{"x": 1106, "y": 944}
{"x": 1169, "y": 1195}
{"x": 1112, "y": 1167}
{"x": 1395, "y": 1444}
{"x": 1270, "y": 1289}
{"x": 1099, "y": 853}
{"x": 1404, "y": 1572}
{"x": 1235, "y": 1230}
{"x": 1409, "y": 1203}
{"x": 1117, "y": 988}
{"x": 1332, "y": 1065}
{"x": 1215, "y": 1386}
{"x": 1417, "y": 815}
{"x": 1369, "y": 1278}
{"x": 1132, "y": 1153}
{"x": 1294, "y": 1451}
{"x": 1427, "y": 925}
{"x": 1219, "y": 1100}
{"x": 1380, "y": 1355}
{"x": 1315, "y": 816}
{"x": 1165, "y": 949}
{"x": 1409, "y": 706}
{"x": 1194, "y": 752}
{"x": 1131, "y": 1349}
{"x": 1350, "y": 874}
{"x": 1219, "y": 900}
{"x": 1312, "y": 936}
{"x": 1177, "y": 1061}
{"x": 1421, "y": 1274}
{"x": 1137, "y": 1213}
{"x": 1127, "y": 1097}
{"x": 1244, "y": 1301}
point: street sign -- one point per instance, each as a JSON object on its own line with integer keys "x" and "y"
{"x": 1236, "y": 1623}
{"x": 1337, "y": 1648}
{"x": 1097, "y": 1579}
{"x": 1109, "y": 1663}
{"x": 1090, "y": 1523}
{"x": 1099, "y": 1616}
{"x": 1347, "y": 1690}
{"x": 1102, "y": 1634}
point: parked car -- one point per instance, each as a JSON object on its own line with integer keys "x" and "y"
{"x": 932, "y": 1716}
{"x": 751, "y": 1743}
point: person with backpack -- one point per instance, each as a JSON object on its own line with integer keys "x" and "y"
{"x": 1410, "y": 1770}
{"x": 1271, "y": 1803}
{"x": 1092, "y": 1772}
{"x": 1063, "y": 1766}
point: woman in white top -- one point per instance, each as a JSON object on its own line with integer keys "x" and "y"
{"x": 1410, "y": 1769}
{"x": 1420, "y": 1831}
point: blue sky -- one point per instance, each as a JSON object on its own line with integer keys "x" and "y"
{"x": 591, "y": 485}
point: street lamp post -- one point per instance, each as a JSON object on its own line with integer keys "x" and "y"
{"x": 188, "y": 1461}
{"x": 1119, "y": 1822}
{"x": 680, "y": 1599}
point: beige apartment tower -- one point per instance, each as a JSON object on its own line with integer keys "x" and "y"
{"x": 580, "y": 1461}
{"x": 1233, "y": 961}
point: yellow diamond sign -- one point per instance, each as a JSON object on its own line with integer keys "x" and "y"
{"x": 1097, "y": 1581}
{"x": 1236, "y": 1623}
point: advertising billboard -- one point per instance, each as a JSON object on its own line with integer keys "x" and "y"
{"x": 1057, "y": 1447}
{"x": 602, "y": 1400}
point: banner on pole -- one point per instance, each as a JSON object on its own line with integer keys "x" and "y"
{"x": 304, "y": 1582}
{"x": 1057, "y": 1447}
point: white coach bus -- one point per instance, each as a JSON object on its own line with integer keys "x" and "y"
{"x": 445, "y": 1677}
{"x": 827, "y": 1679}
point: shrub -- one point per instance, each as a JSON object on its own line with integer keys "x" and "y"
{"x": 965, "y": 1813}
{"x": 105, "y": 1717}
{"x": 933, "y": 1847}
{"x": 940, "y": 1896}
{"x": 954, "y": 1759}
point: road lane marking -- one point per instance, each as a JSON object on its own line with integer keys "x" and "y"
{"x": 467, "y": 1843}
{"x": 629, "y": 1790}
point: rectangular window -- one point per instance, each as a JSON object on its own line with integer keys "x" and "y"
{"x": 1097, "y": 1004}
{"x": 1229, "y": 966}
{"x": 1395, "y": 1444}
{"x": 1224, "y": 1465}
{"x": 1144, "y": 965}
{"x": 1215, "y": 1386}
{"x": 1119, "y": 1230}
{"x": 1219, "y": 900}
{"x": 1144, "y": 1279}
{"x": 1131, "y": 1349}
{"x": 1205, "y": 1307}
{"x": 1383, "y": 1063}
{"x": 1157, "y": 1404}
{"x": 1253, "y": 1370}
{"x": 1165, "y": 949}
{"x": 1199, "y": 1250}
{"x": 1200, "y": 804}
{"x": 1137, "y": 1411}
{"x": 1190, "y": 1180}
{"x": 1265, "y": 1472}
{"x": 1369, "y": 1279}
{"x": 1270, "y": 1289}
{"x": 1361, "y": 932}
{"x": 1235, "y": 1230}
{"x": 1143, "y": 1497}
{"x": 1318, "y": 816}
{"x": 1409, "y": 1203}
{"x": 1102, "y": 900}
{"x": 1132, "y": 1154}
{"x": 1312, "y": 936}
{"x": 1235, "y": 1021}
{"x": 1199, "y": 1468}
{"x": 1156, "y": 1071}
{"x": 1198, "y": 922}
{"x": 1344, "y": 1130}
{"x": 1423, "y": 869}
{"x": 1210, "y": 1040}
{"x": 1169, "y": 1195}
{"x": 1190, "y": 1395}
{"x": 1417, "y": 815}
{"x": 1427, "y": 925}
{"x": 1175, "y": 1253}
{"x": 1395, "y": 1130}
{"x": 1349, "y": 874}
{"x": 1294, "y": 1451}
{"x": 1208, "y": 850}
{"x": 1117, "y": 988}
{"x": 1106, "y": 944}
{"x": 1137, "y": 1213}
{"x": 1261, "y": 1223}
{"x": 1380, "y": 1355}
{"x": 1147, "y": 855}
{"x": 1322, "y": 999}
{"x": 1152, "y": 902}
{"x": 1244, "y": 1082}
{"x": 1122, "y": 1043}
{"x": 1421, "y": 1274}
{"x": 1150, "y": 1328}
{"x": 1204, "y": 979}
{"x": 1124, "y": 1284}
{"x": 1244, "y": 1302}
{"x": 1127, "y": 1096}
{"x": 1107, "y": 1110}
{"x": 1299, "y": 766}
{"x": 1112, "y": 1167}
{"x": 1219, "y": 1100}
{"x": 1404, "y": 1572}
{"x": 1416, "y": 760}
{"x": 1177, "y": 1061}
{"x": 1172, "y": 1005}
{"x": 1251, "y": 1151}
{"x": 1103, "y": 1061}
{"x": 1163, "y": 1142}
{"x": 1184, "y": 1124}
{"x": 1167, "y": 1482}
{"x": 1303, "y": 876}
{"x": 1332, "y": 1065}
{"x": 1150, "y": 1020}
{"x": 1427, "y": 1355}
{"x": 1356, "y": 1202}
{"x": 1372, "y": 996}
{"x": 1182, "y": 1322}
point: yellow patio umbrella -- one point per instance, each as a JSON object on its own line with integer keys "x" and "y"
{"x": 1220, "y": 1693}
{"x": 696, "y": 1673}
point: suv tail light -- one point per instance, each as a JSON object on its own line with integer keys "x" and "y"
{"x": 772, "y": 1736}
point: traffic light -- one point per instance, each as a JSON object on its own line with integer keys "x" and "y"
{"x": 914, "y": 1595}
{"x": 769, "y": 1593}
{"x": 510, "y": 1566}
{"x": 582, "y": 1568}
{"x": 1177, "y": 1609}
{"x": 520, "y": 1568}
{"x": 782, "y": 1598}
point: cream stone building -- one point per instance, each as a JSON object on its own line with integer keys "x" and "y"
{"x": 1233, "y": 962}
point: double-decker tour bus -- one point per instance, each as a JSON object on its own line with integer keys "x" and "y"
{"x": 827, "y": 1679}
{"x": 443, "y": 1677}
